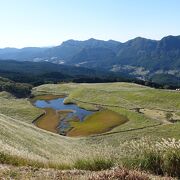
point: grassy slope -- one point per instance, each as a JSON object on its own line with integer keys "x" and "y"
{"x": 23, "y": 139}
{"x": 20, "y": 109}
{"x": 126, "y": 96}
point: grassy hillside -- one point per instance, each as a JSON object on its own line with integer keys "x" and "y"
{"x": 125, "y": 98}
{"x": 126, "y": 95}
{"x": 29, "y": 144}
{"x": 20, "y": 109}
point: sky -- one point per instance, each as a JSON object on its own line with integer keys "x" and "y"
{"x": 50, "y": 22}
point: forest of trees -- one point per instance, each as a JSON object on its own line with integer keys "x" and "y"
{"x": 19, "y": 78}
{"x": 17, "y": 89}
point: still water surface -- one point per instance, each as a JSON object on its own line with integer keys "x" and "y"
{"x": 58, "y": 104}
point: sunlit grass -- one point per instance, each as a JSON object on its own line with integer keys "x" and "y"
{"x": 97, "y": 123}
{"x": 159, "y": 157}
{"x": 21, "y": 139}
{"x": 20, "y": 109}
{"x": 126, "y": 95}
{"x": 95, "y": 164}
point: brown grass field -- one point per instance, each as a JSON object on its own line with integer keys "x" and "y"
{"x": 96, "y": 123}
{"x": 51, "y": 120}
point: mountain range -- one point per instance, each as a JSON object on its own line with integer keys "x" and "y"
{"x": 140, "y": 57}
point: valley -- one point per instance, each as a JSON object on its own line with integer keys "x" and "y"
{"x": 22, "y": 141}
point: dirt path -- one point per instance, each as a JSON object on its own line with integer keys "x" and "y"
{"x": 128, "y": 130}
{"x": 111, "y": 105}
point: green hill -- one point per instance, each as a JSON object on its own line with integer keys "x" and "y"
{"x": 22, "y": 143}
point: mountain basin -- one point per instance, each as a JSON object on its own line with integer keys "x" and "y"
{"x": 58, "y": 115}
{"x": 71, "y": 120}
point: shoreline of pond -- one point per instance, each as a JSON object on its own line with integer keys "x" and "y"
{"x": 55, "y": 119}
{"x": 71, "y": 120}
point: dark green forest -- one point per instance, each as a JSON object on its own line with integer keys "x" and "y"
{"x": 19, "y": 78}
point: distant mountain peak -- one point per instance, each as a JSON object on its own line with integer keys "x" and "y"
{"x": 93, "y": 39}
{"x": 139, "y": 53}
{"x": 70, "y": 42}
{"x": 169, "y": 43}
{"x": 140, "y": 39}
{"x": 171, "y": 37}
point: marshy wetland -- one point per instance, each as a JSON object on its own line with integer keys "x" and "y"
{"x": 71, "y": 120}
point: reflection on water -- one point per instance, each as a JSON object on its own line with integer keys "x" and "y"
{"x": 57, "y": 104}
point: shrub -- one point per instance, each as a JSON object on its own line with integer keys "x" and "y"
{"x": 162, "y": 158}
{"x": 6, "y": 158}
{"x": 96, "y": 164}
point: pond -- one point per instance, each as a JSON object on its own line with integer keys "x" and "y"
{"x": 60, "y": 123}
{"x": 71, "y": 120}
{"x": 58, "y": 104}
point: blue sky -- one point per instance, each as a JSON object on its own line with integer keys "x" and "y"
{"x": 49, "y": 22}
